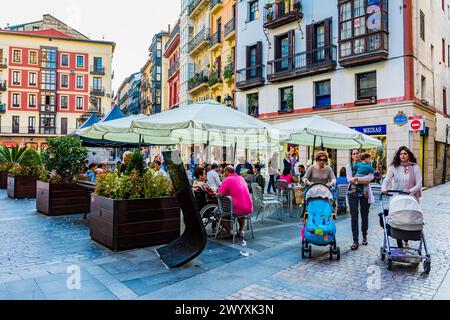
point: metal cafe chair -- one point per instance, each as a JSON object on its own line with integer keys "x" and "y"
{"x": 263, "y": 204}
{"x": 227, "y": 214}
{"x": 282, "y": 187}
{"x": 342, "y": 198}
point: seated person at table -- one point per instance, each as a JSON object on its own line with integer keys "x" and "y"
{"x": 200, "y": 184}
{"x": 236, "y": 187}
{"x": 287, "y": 176}
{"x": 362, "y": 169}
{"x": 342, "y": 179}
{"x": 91, "y": 172}
{"x": 259, "y": 178}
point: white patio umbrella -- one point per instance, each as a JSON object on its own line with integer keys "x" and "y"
{"x": 318, "y": 131}
{"x": 209, "y": 123}
{"x": 120, "y": 131}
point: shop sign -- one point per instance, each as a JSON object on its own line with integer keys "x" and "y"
{"x": 372, "y": 130}
{"x": 401, "y": 119}
{"x": 416, "y": 123}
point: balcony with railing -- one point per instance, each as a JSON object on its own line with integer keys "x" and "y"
{"x": 282, "y": 12}
{"x": 3, "y": 85}
{"x": 215, "y": 79}
{"x": 215, "y": 6}
{"x": 200, "y": 41}
{"x": 98, "y": 91}
{"x": 174, "y": 68}
{"x": 367, "y": 48}
{"x": 3, "y": 63}
{"x": 196, "y": 6}
{"x": 228, "y": 72}
{"x": 198, "y": 82}
{"x": 250, "y": 77}
{"x": 173, "y": 35}
{"x": 96, "y": 70}
{"x": 302, "y": 64}
{"x": 229, "y": 29}
{"x": 216, "y": 40}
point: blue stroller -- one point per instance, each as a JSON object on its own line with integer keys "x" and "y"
{"x": 319, "y": 221}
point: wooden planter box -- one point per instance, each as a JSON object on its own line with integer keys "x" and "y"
{"x": 3, "y": 179}
{"x": 20, "y": 187}
{"x": 61, "y": 199}
{"x": 129, "y": 224}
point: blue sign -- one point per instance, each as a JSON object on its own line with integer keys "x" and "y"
{"x": 401, "y": 119}
{"x": 372, "y": 130}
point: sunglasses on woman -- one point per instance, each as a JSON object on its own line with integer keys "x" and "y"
{"x": 324, "y": 160}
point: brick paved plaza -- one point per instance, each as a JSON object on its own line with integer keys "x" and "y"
{"x": 38, "y": 254}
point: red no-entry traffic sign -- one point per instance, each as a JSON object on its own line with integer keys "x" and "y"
{"x": 416, "y": 123}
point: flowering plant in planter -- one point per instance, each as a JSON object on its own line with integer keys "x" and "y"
{"x": 63, "y": 159}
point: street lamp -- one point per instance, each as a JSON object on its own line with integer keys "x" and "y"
{"x": 228, "y": 100}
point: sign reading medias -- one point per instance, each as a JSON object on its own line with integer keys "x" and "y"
{"x": 416, "y": 123}
{"x": 372, "y": 130}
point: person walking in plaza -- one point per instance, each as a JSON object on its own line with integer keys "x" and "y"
{"x": 405, "y": 175}
{"x": 287, "y": 162}
{"x": 360, "y": 200}
{"x": 273, "y": 171}
{"x": 236, "y": 187}
{"x": 320, "y": 172}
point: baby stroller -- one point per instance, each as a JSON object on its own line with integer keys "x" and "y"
{"x": 403, "y": 220}
{"x": 319, "y": 220}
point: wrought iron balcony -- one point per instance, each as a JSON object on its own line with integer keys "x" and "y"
{"x": 216, "y": 39}
{"x": 98, "y": 91}
{"x": 282, "y": 12}
{"x": 195, "y": 6}
{"x": 229, "y": 28}
{"x": 175, "y": 32}
{"x": 98, "y": 70}
{"x": 228, "y": 72}
{"x": 302, "y": 64}
{"x": 3, "y": 85}
{"x": 199, "y": 41}
{"x": 174, "y": 68}
{"x": 199, "y": 81}
{"x": 3, "y": 63}
{"x": 250, "y": 77}
{"x": 215, "y": 77}
{"x": 367, "y": 48}
{"x": 215, "y": 5}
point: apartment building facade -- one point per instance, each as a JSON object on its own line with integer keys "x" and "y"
{"x": 129, "y": 94}
{"x": 172, "y": 58}
{"x": 52, "y": 78}
{"x": 361, "y": 63}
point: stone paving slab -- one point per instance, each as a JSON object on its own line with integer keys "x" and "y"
{"x": 36, "y": 252}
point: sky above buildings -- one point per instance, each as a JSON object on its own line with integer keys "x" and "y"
{"x": 131, "y": 24}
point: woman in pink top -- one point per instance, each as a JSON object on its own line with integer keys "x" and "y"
{"x": 236, "y": 187}
{"x": 287, "y": 176}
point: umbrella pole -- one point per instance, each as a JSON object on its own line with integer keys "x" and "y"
{"x": 234, "y": 151}
{"x": 314, "y": 148}
{"x": 140, "y": 141}
{"x": 207, "y": 150}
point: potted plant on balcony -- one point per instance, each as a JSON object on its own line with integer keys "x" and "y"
{"x": 57, "y": 192}
{"x": 137, "y": 209}
{"x": 213, "y": 78}
{"x": 24, "y": 165}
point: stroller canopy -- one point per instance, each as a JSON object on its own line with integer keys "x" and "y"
{"x": 405, "y": 213}
{"x": 319, "y": 191}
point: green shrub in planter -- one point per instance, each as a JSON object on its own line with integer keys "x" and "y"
{"x": 65, "y": 158}
{"x": 136, "y": 163}
{"x": 22, "y": 161}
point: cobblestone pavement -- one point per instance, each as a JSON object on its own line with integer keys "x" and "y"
{"x": 38, "y": 254}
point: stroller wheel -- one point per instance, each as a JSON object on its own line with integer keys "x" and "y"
{"x": 303, "y": 251}
{"x": 427, "y": 266}
{"x": 382, "y": 254}
{"x": 310, "y": 251}
{"x": 338, "y": 253}
{"x": 331, "y": 254}
{"x": 389, "y": 264}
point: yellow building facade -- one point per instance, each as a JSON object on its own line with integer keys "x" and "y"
{"x": 212, "y": 50}
{"x": 146, "y": 92}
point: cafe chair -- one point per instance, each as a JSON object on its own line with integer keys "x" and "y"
{"x": 227, "y": 214}
{"x": 262, "y": 204}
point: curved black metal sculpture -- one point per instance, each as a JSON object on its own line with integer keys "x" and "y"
{"x": 193, "y": 241}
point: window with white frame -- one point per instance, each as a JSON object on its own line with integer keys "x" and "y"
{"x": 17, "y": 56}
{"x": 64, "y": 102}
{"x": 80, "y": 61}
{"x": 32, "y": 98}
{"x": 16, "y": 78}
{"x": 32, "y": 57}
{"x": 32, "y": 79}
{"x": 80, "y": 82}
{"x": 64, "y": 81}
{"x": 64, "y": 60}
{"x": 16, "y": 100}
{"x": 80, "y": 103}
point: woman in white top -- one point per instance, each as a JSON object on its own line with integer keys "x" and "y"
{"x": 405, "y": 175}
